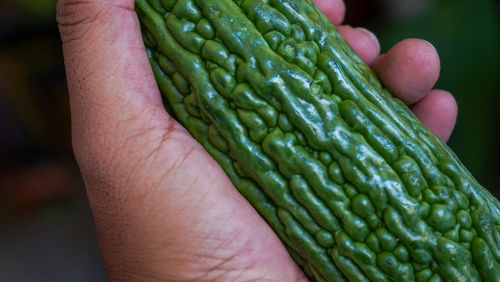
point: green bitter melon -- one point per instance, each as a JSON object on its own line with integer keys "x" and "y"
{"x": 353, "y": 184}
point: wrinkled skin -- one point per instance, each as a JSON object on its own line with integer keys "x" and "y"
{"x": 163, "y": 208}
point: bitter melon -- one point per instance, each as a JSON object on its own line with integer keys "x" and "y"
{"x": 352, "y": 183}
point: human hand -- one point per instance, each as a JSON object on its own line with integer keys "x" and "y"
{"x": 163, "y": 208}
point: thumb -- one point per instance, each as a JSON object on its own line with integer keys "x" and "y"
{"x": 104, "y": 54}
{"x": 114, "y": 99}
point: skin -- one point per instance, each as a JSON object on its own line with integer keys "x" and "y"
{"x": 163, "y": 209}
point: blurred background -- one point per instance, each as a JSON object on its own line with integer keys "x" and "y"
{"x": 46, "y": 229}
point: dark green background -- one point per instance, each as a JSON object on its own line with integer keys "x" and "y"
{"x": 46, "y": 227}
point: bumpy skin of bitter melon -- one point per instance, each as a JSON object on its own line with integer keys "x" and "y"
{"x": 354, "y": 185}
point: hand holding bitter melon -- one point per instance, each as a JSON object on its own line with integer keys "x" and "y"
{"x": 352, "y": 186}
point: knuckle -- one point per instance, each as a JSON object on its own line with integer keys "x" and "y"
{"x": 76, "y": 17}
{"x": 73, "y": 12}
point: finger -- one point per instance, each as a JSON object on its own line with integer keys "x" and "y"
{"x": 409, "y": 69}
{"x": 438, "y": 111}
{"x": 362, "y": 41}
{"x": 333, "y": 9}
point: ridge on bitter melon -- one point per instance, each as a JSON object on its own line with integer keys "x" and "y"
{"x": 352, "y": 183}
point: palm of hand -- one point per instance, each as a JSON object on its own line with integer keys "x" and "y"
{"x": 164, "y": 210}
